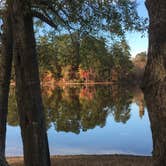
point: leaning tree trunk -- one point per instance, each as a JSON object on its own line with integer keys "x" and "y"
{"x": 28, "y": 92}
{"x": 155, "y": 70}
{"x": 5, "y": 74}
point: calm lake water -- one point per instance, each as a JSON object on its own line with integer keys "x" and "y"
{"x": 89, "y": 120}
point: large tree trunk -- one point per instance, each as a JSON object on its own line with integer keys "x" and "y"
{"x": 156, "y": 104}
{"x": 155, "y": 70}
{"x": 155, "y": 77}
{"x": 5, "y": 74}
{"x": 28, "y": 92}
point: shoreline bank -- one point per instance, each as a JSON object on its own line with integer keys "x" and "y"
{"x": 91, "y": 160}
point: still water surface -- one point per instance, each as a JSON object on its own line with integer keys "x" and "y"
{"x": 89, "y": 120}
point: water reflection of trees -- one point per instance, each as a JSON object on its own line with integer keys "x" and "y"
{"x": 121, "y": 104}
{"x": 75, "y": 109}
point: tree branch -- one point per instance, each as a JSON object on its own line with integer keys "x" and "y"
{"x": 44, "y": 19}
{"x": 40, "y": 2}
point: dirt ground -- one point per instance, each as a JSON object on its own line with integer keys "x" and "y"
{"x": 95, "y": 160}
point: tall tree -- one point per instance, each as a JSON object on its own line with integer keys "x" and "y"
{"x": 154, "y": 78}
{"x": 155, "y": 71}
{"x": 5, "y": 66}
{"x": 32, "y": 120}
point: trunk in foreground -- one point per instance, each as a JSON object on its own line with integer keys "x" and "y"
{"x": 155, "y": 70}
{"x": 155, "y": 77}
{"x": 5, "y": 74}
{"x": 28, "y": 92}
{"x": 155, "y": 100}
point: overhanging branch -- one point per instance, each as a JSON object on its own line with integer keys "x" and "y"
{"x": 44, "y": 19}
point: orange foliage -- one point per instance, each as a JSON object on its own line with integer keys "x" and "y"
{"x": 86, "y": 93}
{"x": 86, "y": 74}
{"x": 48, "y": 78}
{"x": 48, "y": 83}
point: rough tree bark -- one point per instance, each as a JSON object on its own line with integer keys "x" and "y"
{"x": 155, "y": 71}
{"x": 5, "y": 74}
{"x": 154, "y": 83}
{"x": 155, "y": 100}
{"x": 28, "y": 92}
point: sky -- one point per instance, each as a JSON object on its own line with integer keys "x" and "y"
{"x": 137, "y": 43}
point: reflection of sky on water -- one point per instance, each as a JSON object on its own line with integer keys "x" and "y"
{"x": 13, "y": 141}
{"x": 134, "y": 137}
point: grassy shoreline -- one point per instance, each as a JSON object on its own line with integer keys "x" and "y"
{"x": 91, "y": 160}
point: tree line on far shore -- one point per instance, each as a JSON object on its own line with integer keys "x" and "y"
{"x": 92, "y": 61}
